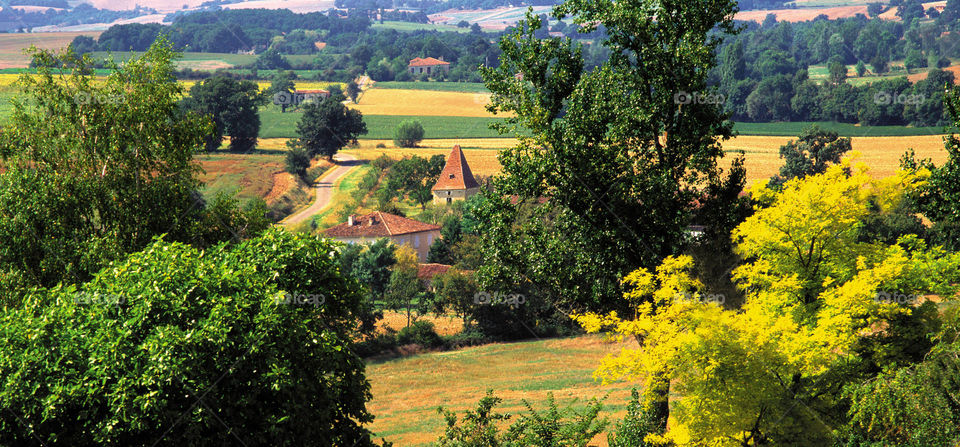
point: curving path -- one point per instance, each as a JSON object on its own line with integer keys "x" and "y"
{"x": 324, "y": 189}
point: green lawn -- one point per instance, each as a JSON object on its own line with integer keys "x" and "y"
{"x": 466, "y": 87}
{"x": 410, "y": 26}
{"x": 284, "y": 125}
{"x": 844, "y": 129}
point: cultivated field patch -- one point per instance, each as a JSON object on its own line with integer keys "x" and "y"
{"x": 407, "y": 391}
{"x": 378, "y": 101}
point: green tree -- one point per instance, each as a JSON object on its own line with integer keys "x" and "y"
{"x": 271, "y": 60}
{"x": 414, "y": 177}
{"x": 326, "y": 127}
{"x": 282, "y": 84}
{"x": 405, "y": 292}
{"x": 93, "y": 169}
{"x": 234, "y": 107}
{"x": 408, "y": 134}
{"x": 371, "y": 265}
{"x": 880, "y": 63}
{"x": 860, "y": 68}
{"x": 838, "y": 73}
{"x": 619, "y": 150}
{"x": 811, "y": 153}
{"x": 353, "y": 91}
{"x": 914, "y": 60}
{"x": 939, "y": 200}
{"x": 255, "y": 337}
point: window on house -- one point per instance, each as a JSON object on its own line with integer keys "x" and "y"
{"x": 451, "y": 175}
{"x": 449, "y": 200}
{"x": 416, "y": 241}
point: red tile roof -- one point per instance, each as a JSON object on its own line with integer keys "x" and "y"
{"x": 313, "y": 92}
{"x": 379, "y": 225}
{"x": 456, "y": 174}
{"x": 428, "y": 271}
{"x": 426, "y": 62}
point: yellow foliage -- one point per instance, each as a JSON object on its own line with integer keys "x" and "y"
{"x": 811, "y": 293}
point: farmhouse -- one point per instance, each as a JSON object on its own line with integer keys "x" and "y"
{"x": 456, "y": 182}
{"x": 310, "y": 95}
{"x": 427, "y": 272}
{"x": 400, "y": 230}
{"x": 427, "y": 65}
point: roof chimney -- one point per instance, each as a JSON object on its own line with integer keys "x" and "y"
{"x": 350, "y": 220}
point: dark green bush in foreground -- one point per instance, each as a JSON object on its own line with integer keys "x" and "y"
{"x": 174, "y": 346}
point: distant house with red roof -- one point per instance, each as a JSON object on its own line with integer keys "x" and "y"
{"x": 427, "y": 65}
{"x": 402, "y": 231}
{"x": 456, "y": 181}
{"x": 311, "y": 95}
{"x": 426, "y": 273}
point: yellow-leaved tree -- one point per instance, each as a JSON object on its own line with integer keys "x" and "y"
{"x": 772, "y": 370}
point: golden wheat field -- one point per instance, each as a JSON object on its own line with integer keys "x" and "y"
{"x": 762, "y": 159}
{"x": 881, "y": 154}
{"x": 422, "y": 103}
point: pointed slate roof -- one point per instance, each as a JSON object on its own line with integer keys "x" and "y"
{"x": 456, "y": 174}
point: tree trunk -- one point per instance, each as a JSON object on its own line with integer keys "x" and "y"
{"x": 659, "y": 400}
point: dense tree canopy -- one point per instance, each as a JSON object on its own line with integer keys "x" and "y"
{"x": 246, "y": 343}
{"x": 95, "y": 169}
{"x": 233, "y": 106}
{"x": 327, "y": 126}
{"x": 618, "y": 153}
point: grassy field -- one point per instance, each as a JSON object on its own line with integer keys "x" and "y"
{"x": 341, "y": 194}
{"x": 843, "y": 129}
{"x": 467, "y": 87}
{"x": 284, "y": 125}
{"x": 410, "y": 26}
{"x": 247, "y": 175}
{"x": 407, "y": 391}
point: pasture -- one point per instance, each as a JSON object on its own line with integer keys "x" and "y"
{"x": 381, "y": 127}
{"x": 407, "y": 391}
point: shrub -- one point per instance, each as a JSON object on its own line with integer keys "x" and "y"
{"x": 554, "y": 427}
{"x": 408, "y": 134}
{"x": 381, "y": 146}
{"x": 179, "y": 345}
{"x": 297, "y": 162}
{"x": 635, "y": 426}
{"x": 421, "y": 333}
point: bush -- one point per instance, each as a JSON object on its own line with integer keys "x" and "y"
{"x": 380, "y": 343}
{"x": 420, "y": 333}
{"x": 554, "y": 427}
{"x": 468, "y": 337}
{"x": 258, "y": 330}
{"x": 408, "y": 134}
{"x": 635, "y": 426}
{"x": 297, "y": 162}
